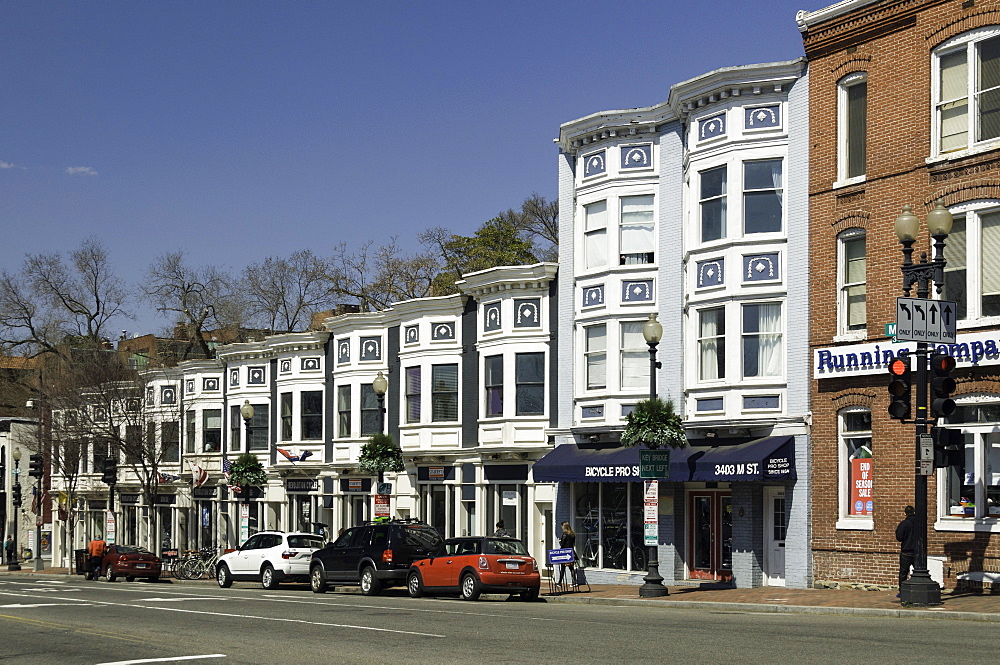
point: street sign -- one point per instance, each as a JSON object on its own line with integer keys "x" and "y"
{"x": 381, "y": 505}
{"x": 926, "y": 320}
{"x": 654, "y": 464}
{"x": 926, "y": 467}
{"x": 383, "y": 488}
{"x": 109, "y": 528}
{"x": 651, "y": 498}
{"x": 926, "y": 446}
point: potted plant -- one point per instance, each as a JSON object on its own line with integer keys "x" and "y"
{"x": 654, "y": 423}
{"x": 380, "y": 454}
{"x": 247, "y": 472}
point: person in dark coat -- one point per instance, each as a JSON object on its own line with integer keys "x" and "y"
{"x": 8, "y": 548}
{"x": 501, "y": 532}
{"x": 909, "y": 539}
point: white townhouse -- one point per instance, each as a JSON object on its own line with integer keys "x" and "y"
{"x": 694, "y": 209}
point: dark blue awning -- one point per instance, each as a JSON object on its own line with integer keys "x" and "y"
{"x": 770, "y": 458}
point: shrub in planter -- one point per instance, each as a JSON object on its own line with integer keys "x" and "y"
{"x": 247, "y": 471}
{"x": 654, "y": 423}
{"x": 380, "y": 454}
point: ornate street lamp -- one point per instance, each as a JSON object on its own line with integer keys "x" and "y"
{"x": 920, "y": 589}
{"x": 246, "y": 411}
{"x": 652, "y": 586}
{"x": 380, "y": 385}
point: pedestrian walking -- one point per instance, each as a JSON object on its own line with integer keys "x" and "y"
{"x": 96, "y": 549}
{"x": 908, "y": 537}
{"x": 501, "y": 532}
{"x": 8, "y": 548}
{"x": 568, "y": 541}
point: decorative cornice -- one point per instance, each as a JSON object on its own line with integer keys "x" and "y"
{"x": 494, "y": 280}
{"x": 855, "y": 22}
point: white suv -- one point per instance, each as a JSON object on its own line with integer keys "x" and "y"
{"x": 271, "y": 557}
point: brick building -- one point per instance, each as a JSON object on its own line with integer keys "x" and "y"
{"x": 904, "y": 109}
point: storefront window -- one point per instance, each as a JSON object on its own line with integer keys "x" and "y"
{"x": 858, "y": 463}
{"x": 609, "y": 525}
{"x": 973, "y": 489}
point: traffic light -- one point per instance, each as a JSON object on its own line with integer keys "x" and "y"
{"x": 110, "y": 471}
{"x": 17, "y": 494}
{"x": 899, "y": 387}
{"x": 35, "y": 469}
{"x": 942, "y": 385}
{"x": 949, "y": 447}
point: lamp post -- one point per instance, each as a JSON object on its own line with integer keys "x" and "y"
{"x": 920, "y": 589}
{"x": 652, "y": 586}
{"x": 246, "y": 412}
{"x": 13, "y": 566}
{"x": 379, "y": 386}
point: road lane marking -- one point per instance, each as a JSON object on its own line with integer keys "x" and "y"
{"x": 249, "y": 616}
{"x": 162, "y": 660}
{"x": 172, "y": 600}
{"x": 282, "y": 599}
{"x": 46, "y": 605}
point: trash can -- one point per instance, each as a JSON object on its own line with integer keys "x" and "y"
{"x": 82, "y": 562}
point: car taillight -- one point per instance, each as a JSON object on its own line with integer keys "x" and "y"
{"x": 534, "y": 566}
{"x": 122, "y": 557}
{"x": 387, "y": 556}
{"x": 287, "y": 554}
{"x": 484, "y": 563}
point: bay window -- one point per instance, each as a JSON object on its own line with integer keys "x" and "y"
{"x": 412, "y": 395}
{"x": 596, "y": 351}
{"x": 762, "y": 340}
{"x": 444, "y": 393}
{"x": 493, "y": 386}
{"x": 595, "y": 235}
{"x": 529, "y": 379}
{"x": 636, "y": 240}
{"x": 762, "y": 196}
{"x": 634, "y": 357}
{"x": 713, "y": 203}
{"x": 712, "y": 344}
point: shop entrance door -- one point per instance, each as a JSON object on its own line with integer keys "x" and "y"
{"x": 775, "y": 527}
{"x": 710, "y": 535}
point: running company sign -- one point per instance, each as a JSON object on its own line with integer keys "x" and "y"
{"x": 865, "y": 359}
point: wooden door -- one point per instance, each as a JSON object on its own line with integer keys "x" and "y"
{"x": 710, "y": 535}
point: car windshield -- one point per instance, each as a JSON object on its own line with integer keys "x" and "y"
{"x": 131, "y": 549}
{"x": 505, "y": 546}
{"x": 314, "y": 542}
{"x": 422, "y": 537}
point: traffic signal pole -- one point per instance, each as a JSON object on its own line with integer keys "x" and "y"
{"x": 920, "y": 589}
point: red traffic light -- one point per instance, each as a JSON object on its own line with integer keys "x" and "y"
{"x": 942, "y": 364}
{"x": 899, "y": 366}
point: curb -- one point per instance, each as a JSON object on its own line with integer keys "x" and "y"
{"x": 780, "y": 609}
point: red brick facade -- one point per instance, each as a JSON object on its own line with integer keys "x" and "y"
{"x": 892, "y": 43}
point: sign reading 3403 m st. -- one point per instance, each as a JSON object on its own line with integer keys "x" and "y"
{"x": 926, "y": 320}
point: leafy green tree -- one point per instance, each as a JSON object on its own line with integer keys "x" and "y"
{"x": 498, "y": 242}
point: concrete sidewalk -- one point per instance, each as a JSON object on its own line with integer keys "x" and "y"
{"x": 966, "y": 606}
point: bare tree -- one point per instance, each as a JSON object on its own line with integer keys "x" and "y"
{"x": 540, "y": 218}
{"x": 377, "y": 276}
{"x": 282, "y": 293}
{"x": 197, "y": 298}
{"x": 53, "y": 300}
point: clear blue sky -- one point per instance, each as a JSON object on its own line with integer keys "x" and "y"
{"x": 239, "y": 130}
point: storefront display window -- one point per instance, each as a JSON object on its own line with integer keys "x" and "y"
{"x": 973, "y": 489}
{"x": 609, "y": 525}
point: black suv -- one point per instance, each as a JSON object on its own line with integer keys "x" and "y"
{"x": 373, "y": 555}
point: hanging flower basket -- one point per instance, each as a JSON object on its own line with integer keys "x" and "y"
{"x": 654, "y": 424}
{"x": 247, "y": 471}
{"x": 380, "y": 454}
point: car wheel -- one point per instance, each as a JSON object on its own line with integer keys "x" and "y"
{"x": 316, "y": 580}
{"x": 129, "y": 578}
{"x": 109, "y": 574}
{"x": 370, "y": 585}
{"x": 269, "y": 578}
{"x": 470, "y": 587}
{"x": 223, "y": 576}
{"x": 413, "y": 585}
{"x": 531, "y": 595}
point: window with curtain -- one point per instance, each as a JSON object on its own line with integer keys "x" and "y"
{"x": 852, "y": 125}
{"x": 493, "y": 385}
{"x": 972, "y": 253}
{"x": 369, "y": 410}
{"x": 170, "y": 441}
{"x": 529, "y": 377}
{"x": 636, "y": 230}
{"x": 444, "y": 393}
{"x": 712, "y": 344}
{"x": 762, "y": 348}
{"x": 853, "y": 285}
{"x": 968, "y": 97}
{"x": 634, "y": 357}
{"x": 412, "y": 394}
{"x": 211, "y": 430}
{"x": 311, "y": 415}
{"x": 190, "y": 420}
{"x": 762, "y": 195}
{"x": 597, "y": 356}
{"x": 857, "y": 463}
{"x": 343, "y": 411}
{"x": 260, "y": 427}
{"x": 286, "y": 416}
{"x": 235, "y": 426}
{"x": 595, "y": 234}
{"x": 713, "y": 203}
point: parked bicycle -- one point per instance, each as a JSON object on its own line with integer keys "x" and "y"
{"x": 199, "y": 565}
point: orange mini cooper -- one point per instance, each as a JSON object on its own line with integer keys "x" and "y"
{"x": 475, "y": 565}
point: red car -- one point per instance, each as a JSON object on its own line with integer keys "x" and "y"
{"x": 130, "y": 562}
{"x": 475, "y": 565}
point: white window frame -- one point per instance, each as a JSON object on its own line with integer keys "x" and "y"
{"x": 590, "y": 236}
{"x": 781, "y": 333}
{"x": 973, "y": 213}
{"x": 966, "y": 41}
{"x": 640, "y": 352}
{"x": 843, "y": 129}
{"x": 846, "y": 521}
{"x": 844, "y": 333}
{"x": 591, "y": 357}
{"x": 650, "y": 225}
{"x": 982, "y": 520}
{"x": 724, "y": 197}
{"x": 720, "y": 343}
{"x": 782, "y": 190}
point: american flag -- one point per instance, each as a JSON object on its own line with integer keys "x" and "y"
{"x": 227, "y": 467}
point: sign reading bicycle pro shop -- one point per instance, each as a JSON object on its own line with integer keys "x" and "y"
{"x": 654, "y": 464}
{"x": 926, "y": 320}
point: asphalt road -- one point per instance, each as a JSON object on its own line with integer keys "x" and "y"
{"x": 70, "y": 621}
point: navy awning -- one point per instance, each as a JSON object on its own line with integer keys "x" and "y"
{"x": 770, "y": 458}
{"x": 571, "y": 463}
